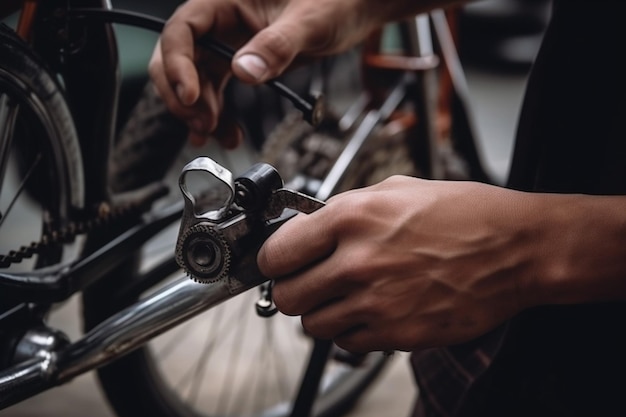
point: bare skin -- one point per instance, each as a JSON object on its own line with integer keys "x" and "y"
{"x": 269, "y": 36}
{"x": 408, "y": 263}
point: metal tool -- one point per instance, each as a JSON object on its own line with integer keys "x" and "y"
{"x": 221, "y": 244}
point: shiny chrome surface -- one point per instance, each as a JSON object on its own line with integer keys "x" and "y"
{"x": 116, "y": 336}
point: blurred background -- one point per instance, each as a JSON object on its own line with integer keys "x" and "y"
{"x": 502, "y": 35}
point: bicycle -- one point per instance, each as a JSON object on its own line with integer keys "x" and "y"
{"x": 72, "y": 251}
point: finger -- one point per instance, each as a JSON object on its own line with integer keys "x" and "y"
{"x": 331, "y": 319}
{"x": 311, "y": 289}
{"x": 298, "y": 243}
{"x": 274, "y": 48}
{"x": 342, "y": 322}
{"x": 178, "y": 65}
{"x": 205, "y": 113}
{"x": 228, "y": 132}
{"x": 193, "y": 116}
{"x": 362, "y": 339}
{"x": 163, "y": 87}
{"x": 177, "y": 43}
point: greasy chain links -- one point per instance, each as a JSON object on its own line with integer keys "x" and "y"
{"x": 105, "y": 214}
{"x": 220, "y": 243}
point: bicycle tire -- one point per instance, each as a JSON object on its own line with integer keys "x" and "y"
{"x": 137, "y": 383}
{"x": 42, "y": 155}
{"x": 147, "y": 144}
{"x": 296, "y": 149}
{"x": 304, "y": 156}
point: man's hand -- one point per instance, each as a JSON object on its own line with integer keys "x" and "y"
{"x": 405, "y": 264}
{"x": 268, "y": 36}
{"x": 408, "y": 263}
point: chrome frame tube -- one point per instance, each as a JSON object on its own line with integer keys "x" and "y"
{"x": 118, "y": 335}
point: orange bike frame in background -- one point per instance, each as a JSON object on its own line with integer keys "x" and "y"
{"x": 376, "y": 62}
{"x": 27, "y": 15}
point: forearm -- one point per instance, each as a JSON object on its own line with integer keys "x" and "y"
{"x": 581, "y": 256}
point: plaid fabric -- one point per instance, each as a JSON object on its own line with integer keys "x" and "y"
{"x": 445, "y": 376}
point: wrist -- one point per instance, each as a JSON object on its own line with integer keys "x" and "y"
{"x": 578, "y": 257}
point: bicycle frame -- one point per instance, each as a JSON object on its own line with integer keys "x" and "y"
{"x": 94, "y": 106}
{"x": 44, "y": 357}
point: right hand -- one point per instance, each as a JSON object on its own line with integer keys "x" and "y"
{"x": 409, "y": 264}
{"x": 268, "y": 35}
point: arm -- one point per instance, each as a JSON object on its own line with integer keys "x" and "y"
{"x": 409, "y": 263}
{"x": 269, "y": 36}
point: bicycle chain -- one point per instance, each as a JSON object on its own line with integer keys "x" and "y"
{"x": 105, "y": 215}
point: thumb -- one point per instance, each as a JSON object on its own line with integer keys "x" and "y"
{"x": 269, "y": 52}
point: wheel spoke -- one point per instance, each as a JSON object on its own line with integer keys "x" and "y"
{"x": 234, "y": 360}
{"x": 274, "y": 353}
{"x": 203, "y": 360}
{"x": 187, "y": 378}
{"x": 257, "y": 386}
{"x": 8, "y": 116}
{"x": 19, "y": 190}
{"x": 257, "y": 380}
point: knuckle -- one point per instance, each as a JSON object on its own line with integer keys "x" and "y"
{"x": 263, "y": 260}
{"x": 351, "y": 344}
{"x": 354, "y": 268}
{"x": 314, "y": 328}
{"x": 348, "y": 211}
{"x": 278, "y": 49}
{"x": 270, "y": 251}
{"x": 284, "y": 302}
{"x": 175, "y": 20}
{"x": 395, "y": 179}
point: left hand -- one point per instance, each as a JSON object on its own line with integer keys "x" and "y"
{"x": 268, "y": 37}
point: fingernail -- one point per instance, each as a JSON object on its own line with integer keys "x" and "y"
{"x": 180, "y": 92}
{"x": 254, "y": 65}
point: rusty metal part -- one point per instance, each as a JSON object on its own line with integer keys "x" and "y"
{"x": 402, "y": 63}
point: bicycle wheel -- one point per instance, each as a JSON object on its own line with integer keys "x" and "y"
{"x": 243, "y": 365}
{"x": 40, "y": 161}
{"x": 304, "y": 156}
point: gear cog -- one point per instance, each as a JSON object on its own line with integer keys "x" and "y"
{"x": 203, "y": 253}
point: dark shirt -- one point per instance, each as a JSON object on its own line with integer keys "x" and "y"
{"x": 553, "y": 360}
